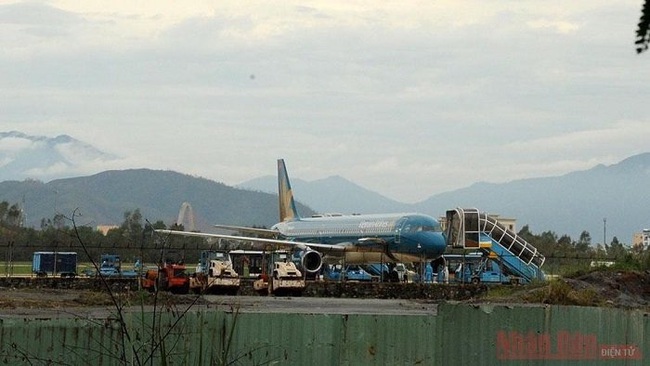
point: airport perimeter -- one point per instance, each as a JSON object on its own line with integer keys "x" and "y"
{"x": 302, "y": 331}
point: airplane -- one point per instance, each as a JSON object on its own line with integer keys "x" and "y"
{"x": 336, "y": 238}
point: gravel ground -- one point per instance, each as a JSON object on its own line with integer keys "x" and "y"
{"x": 624, "y": 289}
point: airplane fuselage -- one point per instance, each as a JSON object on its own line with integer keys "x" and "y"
{"x": 398, "y": 237}
{"x": 378, "y": 238}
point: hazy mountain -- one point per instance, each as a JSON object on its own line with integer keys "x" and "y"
{"x": 329, "y": 195}
{"x": 565, "y": 204}
{"x": 103, "y": 198}
{"x": 25, "y": 156}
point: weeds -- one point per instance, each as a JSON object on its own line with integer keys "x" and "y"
{"x": 155, "y": 335}
{"x": 559, "y": 292}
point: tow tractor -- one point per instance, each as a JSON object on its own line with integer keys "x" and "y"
{"x": 170, "y": 277}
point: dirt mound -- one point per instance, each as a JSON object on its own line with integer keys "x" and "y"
{"x": 605, "y": 288}
{"x": 629, "y": 289}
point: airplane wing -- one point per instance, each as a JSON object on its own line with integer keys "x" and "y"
{"x": 243, "y": 230}
{"x": 245, "y": 242}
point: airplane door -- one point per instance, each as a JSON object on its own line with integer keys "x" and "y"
{"x": 398, "y": 229}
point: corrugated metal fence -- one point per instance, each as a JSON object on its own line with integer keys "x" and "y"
{"x": 457, "y": 335}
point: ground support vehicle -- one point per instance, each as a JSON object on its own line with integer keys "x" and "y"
{"x": 471, "y": 229}
{"x": 111, "y": 266}
{"x": 405, "y": 274}
{"x": 63, "y": 264}
{"x": 351, "y": 273}
{"x": 486, "y": 270}
{"x": 285, "y": 278}
{"x": 374, "y": 272}
{"x": 215, "y": 274}
{"x": 170, "y": 277}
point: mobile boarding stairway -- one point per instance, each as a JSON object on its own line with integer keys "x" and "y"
{"x": 471, "y": 229}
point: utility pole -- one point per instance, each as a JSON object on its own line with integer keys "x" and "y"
{"x": 421, "y": 263}
{"x": 604, "y": 231}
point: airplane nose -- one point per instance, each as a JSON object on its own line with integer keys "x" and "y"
{"x": 439, "y": 243}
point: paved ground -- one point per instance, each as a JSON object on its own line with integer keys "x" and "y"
{"x": 320, "y": 305}
{"x": 46, "y": 304}
{"x": 621, "y": 289}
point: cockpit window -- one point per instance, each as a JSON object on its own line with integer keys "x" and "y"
{"x": 418, "y": 228}
{"x": 418, "y": 225}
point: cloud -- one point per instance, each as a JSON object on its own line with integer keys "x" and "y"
{"x": 35, "y": 14}
{"x": 14, "y": 145}
{"x": 46, "y": 172}
{"x": 555, "y": 25}
{"x": 405, "y": 99}
{"x": 628, "y": 134}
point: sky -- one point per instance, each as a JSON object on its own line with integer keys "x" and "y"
{"x": 408, "y": 99}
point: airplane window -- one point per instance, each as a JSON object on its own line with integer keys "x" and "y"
{"x": 419, "y": 228}
{"x": 415, "y": 228}
{"x": 432, "y": 228}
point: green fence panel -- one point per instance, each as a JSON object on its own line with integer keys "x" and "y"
{"x": 542, "y": 335}
{"x": 459, "y": 334}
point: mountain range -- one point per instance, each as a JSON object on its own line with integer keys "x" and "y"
{"x": 104, "y": 198}
{"x": 606, "y": 201}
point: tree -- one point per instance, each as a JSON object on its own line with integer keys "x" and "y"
{"x": 616, "y": 249}
{"x": 584, "y": 242}
{"x": 14, "y": 215}
{"x": 159, "y": 225}
{"x": 565, "y": 243}
{"x": 10, "y": 215}
{"x": 546, "y": 242}
{"x": 643, "y": 32}
{"x": 4, "y": 207}
{"x": 132, "y": 226}
{"x": 526, "y": 234}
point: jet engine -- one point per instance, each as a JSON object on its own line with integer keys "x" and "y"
{"x": 311, "y": 260}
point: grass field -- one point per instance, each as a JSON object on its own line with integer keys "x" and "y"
{"x": 16, "y": 268}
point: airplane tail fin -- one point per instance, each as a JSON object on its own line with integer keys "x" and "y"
{"x": 287, "y": 205}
